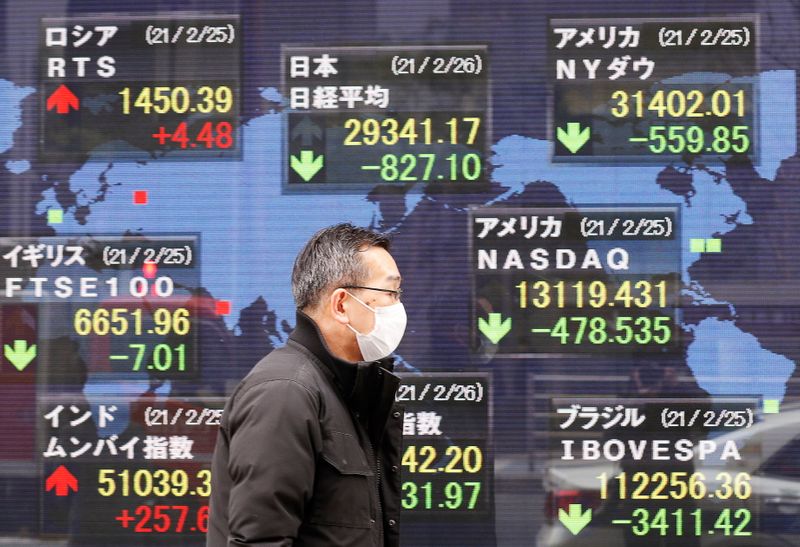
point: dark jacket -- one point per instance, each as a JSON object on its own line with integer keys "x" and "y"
{"x": 308, "y": 452}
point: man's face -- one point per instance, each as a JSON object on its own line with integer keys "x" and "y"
{"x": 383, "y": 274}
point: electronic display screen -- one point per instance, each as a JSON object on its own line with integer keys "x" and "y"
{"x": 591, "y": 205}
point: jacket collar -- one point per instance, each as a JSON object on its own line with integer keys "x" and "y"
{"x": 367, "y": 386}
{"x": 307, "y": 334}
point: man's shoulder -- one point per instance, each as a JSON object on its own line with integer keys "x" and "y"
{"x": 284, "y": 379}
{"x": 284, "y": 365}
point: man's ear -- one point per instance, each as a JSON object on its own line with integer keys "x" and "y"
{"x": 337, "y": 306}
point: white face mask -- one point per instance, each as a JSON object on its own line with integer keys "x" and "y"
{"x": 390, "y": 325}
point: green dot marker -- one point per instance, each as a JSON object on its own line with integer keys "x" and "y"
{"x": 713, "y": 245}
{"x": 697, "y": 245}
{"x": 772, "y": 406}
{"x": 55, "y": 216}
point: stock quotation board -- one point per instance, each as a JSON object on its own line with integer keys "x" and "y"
{"x": 593, "y": 207}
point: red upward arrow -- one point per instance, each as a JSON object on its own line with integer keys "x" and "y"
{"x": 62, "y": 99}
{"x": 62, "y": 480}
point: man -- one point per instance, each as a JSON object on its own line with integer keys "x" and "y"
{"x": 308, "y": 452}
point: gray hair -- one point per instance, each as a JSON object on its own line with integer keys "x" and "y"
{"x": 332, "y": 258}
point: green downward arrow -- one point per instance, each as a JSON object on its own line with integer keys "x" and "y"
{"x": 495, "y": 328}
{"x": 574, "y": 137}
{"x": 307, "y": 165}
{"x": 20, "y": 355}
{"x": 575, "y": 520}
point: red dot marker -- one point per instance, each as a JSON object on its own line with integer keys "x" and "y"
{"x": 149, "y": 270}
{"x": 223, "y": 307}
{"x": 140, "y": 197}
